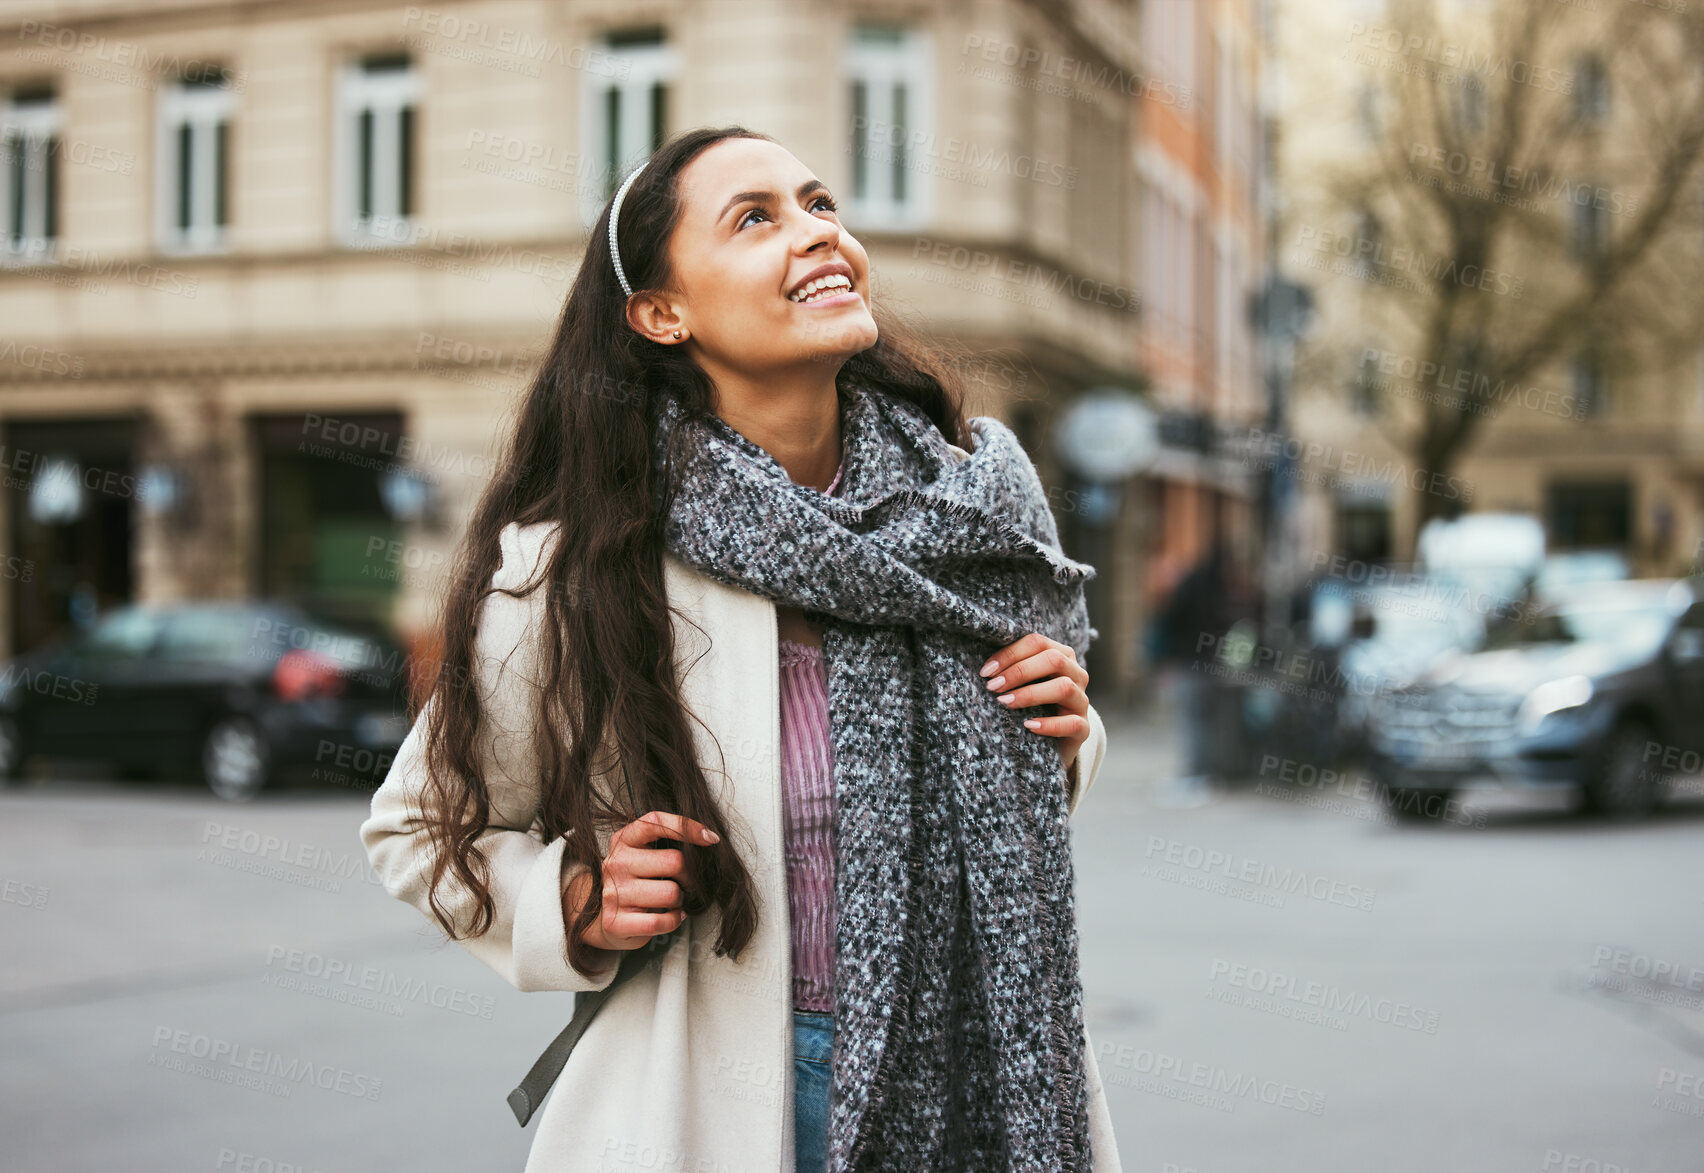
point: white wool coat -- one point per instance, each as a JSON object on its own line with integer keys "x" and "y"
{"x": 688, "y": 1067}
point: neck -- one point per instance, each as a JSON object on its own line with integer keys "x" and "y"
{"x": 794, "y": 419}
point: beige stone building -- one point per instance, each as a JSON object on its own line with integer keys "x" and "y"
{"x": 274, "y": 273}
{"x": 1204, "y": 209}
{"x": 1604, "y": 440}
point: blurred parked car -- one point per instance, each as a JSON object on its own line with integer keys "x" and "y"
{"x": 234, "y": 690}
{"x": 1597, "y": 688}
{"x": 1485, "y": 553}
{"x": 1371, "y": 639}
{"x": 1573, "y": 567}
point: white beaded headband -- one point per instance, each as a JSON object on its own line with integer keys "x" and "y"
{"x": 614, "y": 216}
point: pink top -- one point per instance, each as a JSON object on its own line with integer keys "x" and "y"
{"x": 807, "y": 784}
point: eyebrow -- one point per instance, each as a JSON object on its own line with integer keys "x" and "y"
{"x": 805, "y": 189}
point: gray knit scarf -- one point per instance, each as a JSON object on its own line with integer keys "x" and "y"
{"x": 958, "y": 999}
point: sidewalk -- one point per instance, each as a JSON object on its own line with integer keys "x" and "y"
{"x": 1144, "y": 757}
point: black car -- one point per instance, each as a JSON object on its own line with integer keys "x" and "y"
{"x": 1600, "y": 688}
{"x": 235, "y": 690}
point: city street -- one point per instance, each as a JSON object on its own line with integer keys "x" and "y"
{"x": 1328, "y": 372}
{"x": 1273, "y": 985}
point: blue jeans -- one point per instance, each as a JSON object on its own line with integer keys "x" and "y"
{"x": 813, "y": 1048}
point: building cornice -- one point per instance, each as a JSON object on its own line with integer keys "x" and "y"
{"x": 367, "y": 352}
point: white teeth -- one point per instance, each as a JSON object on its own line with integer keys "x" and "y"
{"x": 833, "y": 283}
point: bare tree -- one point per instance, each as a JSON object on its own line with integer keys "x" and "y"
{"x": 1533, "y": 198}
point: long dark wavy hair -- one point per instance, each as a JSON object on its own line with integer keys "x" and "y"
{"x": 580, "y": 455}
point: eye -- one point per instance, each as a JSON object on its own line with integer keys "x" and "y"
{"x": 824, "y": 199}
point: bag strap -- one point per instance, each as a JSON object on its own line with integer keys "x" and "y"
{"x": 526, "y": 1098}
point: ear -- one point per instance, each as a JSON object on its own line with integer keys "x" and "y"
{"x": 657, "y": 319}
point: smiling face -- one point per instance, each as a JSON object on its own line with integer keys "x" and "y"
{"x": 765, "y": 277}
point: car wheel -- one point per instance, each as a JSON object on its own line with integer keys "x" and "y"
{"x": 1417, "y": 806}
{"x": 235, "y": 759}
{"x": 1621, "y": 786}
{"x": 11, "y": 750}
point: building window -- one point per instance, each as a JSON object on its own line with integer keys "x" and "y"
{"x": 378, "y": 99}
{"x": 59, "y": 517}
{"x": 1369, "y": 242}
{"x": 1169, "y": 236}
{"x": 1591, "y": 227}
{"x": 29, "y": 174}
{"x": 1156, "y": 306}
{"x": 321, "y": 506}
{"x": 1591, "y": 90}
{"x": 1364, "y": 529}
{"x": 1591, "y": 385}
{"x": 1364, "y": 387}
{"x": 1590, "y": 516}
{"x": 1472, "y": 105}
{"x": 625, "y": 108}
{"x": 888, "y": 70}
{"x": 1232, "y": 126}
{"x": 195, "y": 119}
{"x": 1185, "y": 266}
{"x": 1168, "y": 41}
{"x": 1223, "y": 102}
{"x": 1369, "y": 101}
{"x": 1230, "y": 313}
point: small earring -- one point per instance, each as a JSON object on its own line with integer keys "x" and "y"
{"x": 677, "y": 333}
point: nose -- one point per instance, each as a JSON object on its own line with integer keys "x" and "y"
{"x": 817, "y": 232}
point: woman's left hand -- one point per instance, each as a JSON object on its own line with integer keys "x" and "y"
{"x": 1040, "y": 671}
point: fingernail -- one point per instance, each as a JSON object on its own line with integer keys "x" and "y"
{"x": 1005, "y": 700}
{"x": 989, "y": 667}
{"x": 997, "y": 682}
{"x": 1032, "y": 723}
{"x": 712, "y": 837}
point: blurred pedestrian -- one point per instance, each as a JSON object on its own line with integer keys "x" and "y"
{"x": 1190, "y": 627}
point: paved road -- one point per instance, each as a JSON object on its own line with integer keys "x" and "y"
{"x": 1288, "y": 982}
{"x": 1272, "y": 986}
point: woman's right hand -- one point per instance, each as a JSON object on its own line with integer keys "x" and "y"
{"x": 642, "y": 892}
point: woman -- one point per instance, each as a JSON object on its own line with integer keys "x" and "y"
{"x": 768, "y": 661}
